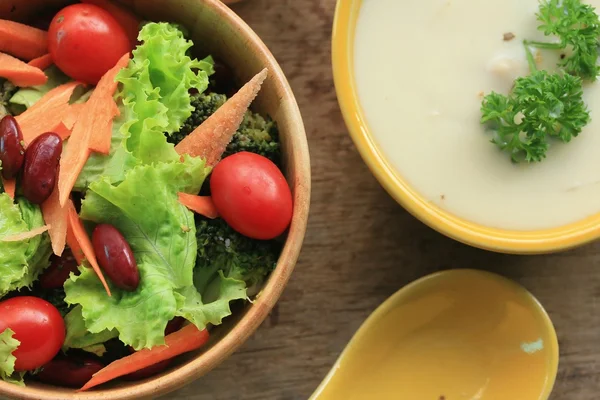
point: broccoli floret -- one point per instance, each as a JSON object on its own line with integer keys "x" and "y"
{"x": 7, "y": 90}
{"x": 204, "y": 106}
{"x": 220, "y": 248}
{"x": 255, "y": 134}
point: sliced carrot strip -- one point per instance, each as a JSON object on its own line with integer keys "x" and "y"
{"x": 42, "y": 62}
{"x": 127, "y": 19}
{"x": 71, "y": 116}
{"x": 188, "y": 338}
{"x": 64, "y": 129}
{"x": 92, "y": 120}
{"x": 210, "y": 139}
{"x": 74, "y": 245}
{"x": 47, "y": 113}
{"x": 26, "y": 235}
{"x": 22, "y": 41}
{"x": 20, "y": 73}
{"x": 10, "y": 187}
{"x": 83, "y": 240}
{"x": 202, "y": 205}
{"x": 56, "y": 216}
{"x": 100, "y": 140}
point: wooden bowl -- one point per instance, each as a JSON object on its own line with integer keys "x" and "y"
{"x": 223, "y": 34}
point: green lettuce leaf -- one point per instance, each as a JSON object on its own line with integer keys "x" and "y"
{"x": 78, "y": 337}
{"x": 155, "y": 89}
{"x": 161, "y": 233}
{"x": 8, "y": 345}
{"x": 113, "y": 166}
{"x": 13, "y": 263}
{"x": 200, "y": 312}
{"x": 39, "y": 248}
{"x": 21, "y": 262}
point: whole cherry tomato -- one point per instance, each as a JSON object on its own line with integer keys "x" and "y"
{"x": 252, "y": 195}
{"x": 85, "y": 41}
{"x": 39, "y": 327}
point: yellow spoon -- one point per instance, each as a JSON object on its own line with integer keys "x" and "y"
{"x": 453, "y": 335}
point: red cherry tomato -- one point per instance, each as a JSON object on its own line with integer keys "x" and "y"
{"x": 252, "y": 195}
{"x": 85, "y": 41}
{"x": 59, "y": 270}
{"x": 39, "y": 327}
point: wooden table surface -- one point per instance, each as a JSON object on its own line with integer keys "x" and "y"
{"x": 361, "y": 247}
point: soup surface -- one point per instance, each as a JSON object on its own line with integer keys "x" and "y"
{"x": 421, "y": 69}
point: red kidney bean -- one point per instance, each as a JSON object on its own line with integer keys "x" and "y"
{"x": 115, "y": 257}
{"x": 69, "y": 371}
{"x": 12, "y": 152}
{"x": 59, "y": 270}
{"x": 41, "y": 167}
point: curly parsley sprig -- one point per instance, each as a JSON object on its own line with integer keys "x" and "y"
{"x": 547, "y": 105}
{"x": 578, "y": 27}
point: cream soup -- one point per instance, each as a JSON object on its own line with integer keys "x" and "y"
{"x": 421, "y": 69}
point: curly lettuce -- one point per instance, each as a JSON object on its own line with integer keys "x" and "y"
{"x": 161, "y": 233}
{"x": 155, "y": 89}
{"x": 113, "y": 166}
{"x": 8, "y": 344}
{"x": 78, "y": 337}
{"x": 153, "y": 100}
{"x": 21, "y": 262}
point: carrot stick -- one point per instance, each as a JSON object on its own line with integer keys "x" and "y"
{"x": 71, "y": 117}
{"x": 74, "y": 245}
{"x": 202, "y": 205}
{"x": 210, "y": 139}
{"x": 22, "y": 41}
{"x": 100, "y": 140}
{"x": 127, "y": 19}
{"x": 47, "y": 113}
{"x": 97, "y": 111}
{"x": 56, "y": 216}
{"x": 26, "y": 235}
{"x": 66, "y": 126}
{"x": 10, "y": 186}
{"x": 83, "y": 240}
{"x": 188, "y": 338}
{"x": 42, "y": 62}
{"x": 19, "y": 72}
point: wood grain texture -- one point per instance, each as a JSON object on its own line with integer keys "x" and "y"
{"x": 361, "y": 247}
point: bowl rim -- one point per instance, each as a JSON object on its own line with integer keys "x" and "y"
{"x": 476, "y": 235}
{"x": 267, "y": 298}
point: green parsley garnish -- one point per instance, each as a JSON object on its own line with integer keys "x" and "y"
{"x": 578, "y": 27}
{"x": 540, "y": 105}
{"x": 547, "y": 105}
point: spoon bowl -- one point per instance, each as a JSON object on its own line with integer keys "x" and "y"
{"x": 457, "y": 334}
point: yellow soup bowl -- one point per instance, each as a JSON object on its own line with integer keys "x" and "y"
{"x": 499, "y": 240}
{"x": 457, "y": 334}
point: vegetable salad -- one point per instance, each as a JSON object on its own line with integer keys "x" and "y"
{"x": 140, "y": 197}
